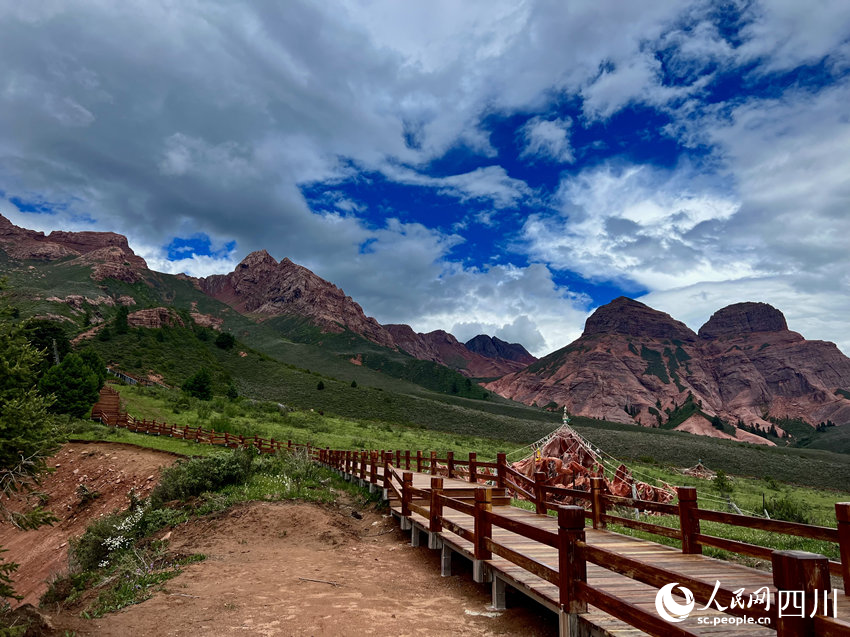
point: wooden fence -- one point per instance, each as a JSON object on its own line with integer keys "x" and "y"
{"x": 792, "y": 570}
{"x": 393, "y": 471}
{"x": 108, "y": 411}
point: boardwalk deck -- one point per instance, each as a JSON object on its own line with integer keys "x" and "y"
{"x": 500, "y": 571}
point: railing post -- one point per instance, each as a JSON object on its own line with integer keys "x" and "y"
{"x": 289, "y": 444}
{"x": 501, "y": 469}
{"x": 419, "y": 461}
{"x": 842, "y": 515}
{"x": 406, "y": 485}
{"x": 373, "y": 468}
{"x": 539, "y": 493}
{"x": 387, "y": 463}
{"x": 433, "y": 463}
{"x": 473, "y": 467}
{"x": 688, "y": 520}
{"x": 398, "y": 458}
{"x": 450, "y": 463}
{"x": 572, "y": 567}
{"x": 435, "y": 521}
{"x": 483, "y": 526}
{"x": 597, "y": 504}
{"x": 407, "y": 459}
{"x": 363, "y": 466}
{"x": 795, "y": 571}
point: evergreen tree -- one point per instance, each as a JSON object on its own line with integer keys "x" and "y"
{"x": 320, "y": 386}
{"x": 199, "y": 385}
{"x": 121, "y": 325}
{"x": 27, "y": 431}
{"x": 74, "y": 384}
{"x": 225, "y": 341}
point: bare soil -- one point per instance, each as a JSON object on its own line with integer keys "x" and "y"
{"x": 288, "y": 568}
{"x": 295, "y": 568}
{"x": 109, "y": 469}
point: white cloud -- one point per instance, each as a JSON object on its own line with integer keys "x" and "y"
{"x": 547, "y": 139}
{"x": 635, "y": 223}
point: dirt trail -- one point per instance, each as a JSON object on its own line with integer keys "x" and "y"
{"x": 108, "y": 468}
{"x": 256, "y": 581}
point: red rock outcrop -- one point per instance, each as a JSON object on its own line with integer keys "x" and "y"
{"x": 108, "y": 253}
{"x": 261, "y": 286}
{"x": 634, "y": 364}
{"x": 155, "y": 317}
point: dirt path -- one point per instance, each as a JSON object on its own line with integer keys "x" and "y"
{"x": 256, "y": 581}
{"x": 107, "y": 468}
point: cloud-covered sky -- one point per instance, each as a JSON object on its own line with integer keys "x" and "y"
{"x": 499, "y": 167}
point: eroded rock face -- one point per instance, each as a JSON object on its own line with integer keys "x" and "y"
{"x": 155, "y": 317}
{"x": 108, "y": 253}
{"x": 261, "y": 286}
{"x": 634, "y": 364}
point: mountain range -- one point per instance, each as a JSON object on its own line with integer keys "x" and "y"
{"x": 743, "y": 375}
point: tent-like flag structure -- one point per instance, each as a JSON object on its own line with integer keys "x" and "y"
{"x": 567, "y": 460}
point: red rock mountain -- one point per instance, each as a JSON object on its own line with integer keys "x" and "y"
{"x": 441, "y": 347}
{"x": 636, "y": 364}
{"x": 496, "y": 348}
{"x": 108, "y": 253}
{"x": 260, "y": 286}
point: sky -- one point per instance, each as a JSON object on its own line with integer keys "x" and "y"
{"x": 479, "y": 167}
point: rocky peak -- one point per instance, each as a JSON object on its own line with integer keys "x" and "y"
{"x": 260, "y": 285}
{"x": 493, "y": 347}
{"x": 258, "y": 259}
{"x": 109, "y": 252}
{"x": 744, "y": 318}
{"x": 631, "y": 318}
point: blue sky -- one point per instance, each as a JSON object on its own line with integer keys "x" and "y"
{"x": 498, "y": 167}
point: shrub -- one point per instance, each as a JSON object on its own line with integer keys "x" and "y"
{"x": 199, "y": 385}
{"x": 193, "y": 477}
{"x": 786, "y": 508}
{"x": 225, "y": 340}
{"x": 74, "y": 384}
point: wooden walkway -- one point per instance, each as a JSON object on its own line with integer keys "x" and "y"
{"x": 458, "y": 526}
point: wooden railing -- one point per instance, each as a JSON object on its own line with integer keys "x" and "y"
{"x": 792, "y": 571}
{"x": 599, "y": 506}
{"x": 107, "y": 411}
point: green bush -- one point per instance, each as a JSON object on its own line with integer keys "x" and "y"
{"x": 74, "y": 384}
{"x": 225, "y": 341}
{"x": 199, "y": 385}
{"x": 784, "y": 507}
{"x": 193, "y": 477}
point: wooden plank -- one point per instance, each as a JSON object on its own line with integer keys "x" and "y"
{"x": 666, "y": 531}
{"x": 458, "y": 530}
{"x": 530, "y": 531}
{"x": 643, "y": 505}
{"x": 657, "y": 577}
{"x": 631, "y": 614}
{"x": 525, "y": 562}
{"x": 734, "y": 546}
{"x": 775, "y": 526}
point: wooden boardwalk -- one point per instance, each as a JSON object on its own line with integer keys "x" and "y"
{"x": 457, "y": 535}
